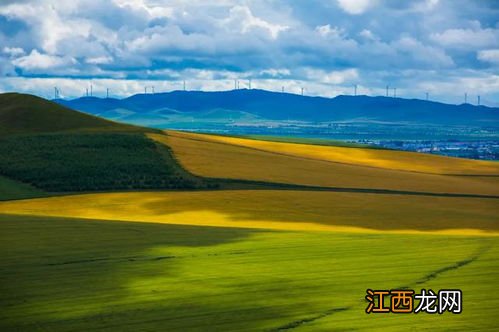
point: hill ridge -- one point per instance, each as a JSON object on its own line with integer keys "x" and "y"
{"x": 264, "y": 104}
{"x": 28, "y": 114}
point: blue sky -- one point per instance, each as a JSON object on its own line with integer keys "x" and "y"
{"x": 444, "y": 47}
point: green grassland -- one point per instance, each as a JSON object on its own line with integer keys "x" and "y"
{"x": 28, "y": 114}
{"x": 97, "y": 161}
{"x": 11, "y": 189}
{"x": 47, "y": 147}
{"x": 69, "y": 274}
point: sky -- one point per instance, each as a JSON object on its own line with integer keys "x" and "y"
{"x": 445, "y": 48}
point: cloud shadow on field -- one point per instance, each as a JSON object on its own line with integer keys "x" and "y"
{"x": 369, "y": 211}
{"x": 64, "y": 272}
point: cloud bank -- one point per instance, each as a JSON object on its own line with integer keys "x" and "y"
{"x": 444, "y": 47}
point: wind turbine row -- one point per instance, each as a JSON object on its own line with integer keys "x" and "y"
{"x": 89, "y": 91}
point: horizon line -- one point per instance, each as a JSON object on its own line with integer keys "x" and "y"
{"x": 270, "y": 91}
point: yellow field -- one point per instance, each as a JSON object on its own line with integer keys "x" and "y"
{"x": 387, "y": 159}
{"x": 225, "y": 157}
{"x": 273, "y": 209}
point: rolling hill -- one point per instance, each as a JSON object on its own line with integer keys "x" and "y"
{"x": 49, "y": 147}
{"x": 329, "y": 166}
{"x": 28, "y": 114}
{"x": 162, "y": 108}
{"x": 360, "y": 156}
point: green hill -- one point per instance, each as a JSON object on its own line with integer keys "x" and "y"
{"x": 28, "y": 114}
{"x": 49, "y": 147}
{"x": 11, "y": 189}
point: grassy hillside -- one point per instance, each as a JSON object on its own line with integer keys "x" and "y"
{"x": 11, "y": 189}
{"x": 47, "y": 146}
{"x": 204, "y": 154}
{"x": 79, "y": 274}
{"x": 96, "y": 161}
{"x": 27, "y": 114}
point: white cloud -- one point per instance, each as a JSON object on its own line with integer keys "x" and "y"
{"x": 491, "y": 56}
{"x": 242, "y": 17}
{"x": 271, "y": 40}
{"x": 355, "y": 7}
{"x": 13, "y": 51}
{"x": 473, "y": 83}
{"x": 326, "y": 31}
{"x": 54, "y": 25}
{"x": 332, "y": 77}
{"x": 170, "y": 40}
{"x": 467, "y": 38}
{"x": 151, "y": 10}
{"x": 47, "y": 22}
{"x": 425, "y": 5}
{"x": 421, "y": 54}
{"x": 100, "y": 60}
{"x": 36, "y": 60}
{"x": 272, "y": 72}
{"x": 367, "y": 34}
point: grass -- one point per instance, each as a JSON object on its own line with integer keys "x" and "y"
{"x": 62, "y": 274}
{"x": 203, "y": 155}
{"x": 10, "y": 189}
{"x": 379, "y": 158}
{"x": 97, "y": 161}
{"x": 28, "y": 114}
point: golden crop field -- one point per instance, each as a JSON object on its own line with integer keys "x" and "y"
{"x": 277, "y": 209}
{"x": 216, "y": 156}
{"x": 380, "y": 158}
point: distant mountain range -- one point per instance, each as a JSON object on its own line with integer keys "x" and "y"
{"x": 162, "y": 109}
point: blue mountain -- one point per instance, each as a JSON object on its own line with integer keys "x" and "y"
{"x": 262, "y": 104}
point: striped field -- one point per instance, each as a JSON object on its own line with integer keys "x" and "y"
{"x": 289, "y": 259}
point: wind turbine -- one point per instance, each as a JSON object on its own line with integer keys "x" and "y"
{"x": 355, "y": 89}
{"x": 387, "y": 87}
